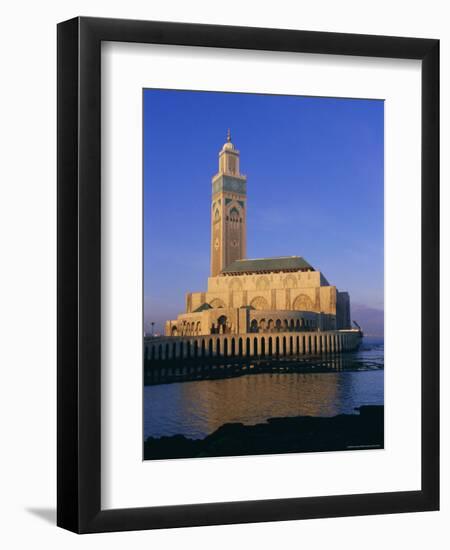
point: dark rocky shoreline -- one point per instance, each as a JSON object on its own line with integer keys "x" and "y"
{"x": 279, "y": 435}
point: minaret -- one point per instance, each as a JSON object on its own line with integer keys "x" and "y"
{"x": 228, "y": 210}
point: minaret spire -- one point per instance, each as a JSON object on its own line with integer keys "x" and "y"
{"x": 228, "y": 135}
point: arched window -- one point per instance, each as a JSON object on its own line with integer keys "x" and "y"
{"x": 259, "y": 303}
{"x": 234, "y": 214}
{"x": 217, "y": 303}
{"x": 303, "y": 303}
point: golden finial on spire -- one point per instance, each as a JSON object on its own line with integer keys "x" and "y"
{"x": 228, "y": 135}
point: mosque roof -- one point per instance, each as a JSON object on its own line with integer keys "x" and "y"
{"x": 203, "y": 307}
{"x": 285, "y": 263}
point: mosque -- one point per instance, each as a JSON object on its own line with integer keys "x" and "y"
{"x": 254, "y": 295}
{"x": 253, "y": 307}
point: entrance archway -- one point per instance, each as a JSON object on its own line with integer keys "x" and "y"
{"x": 222, "y": 324}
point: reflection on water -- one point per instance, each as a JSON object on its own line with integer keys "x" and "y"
{"x": 196, "y": 409}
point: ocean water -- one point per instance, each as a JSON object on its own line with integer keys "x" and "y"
{"x": 320, "y": 387}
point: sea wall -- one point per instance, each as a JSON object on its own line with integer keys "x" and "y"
{"x": 251, "y": 344}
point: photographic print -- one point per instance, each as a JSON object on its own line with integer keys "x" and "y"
{"x": 263, "y": 254}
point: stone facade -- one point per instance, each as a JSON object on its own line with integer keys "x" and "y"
{"x": 254, "y": 296}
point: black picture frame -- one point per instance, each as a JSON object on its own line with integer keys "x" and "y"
{"x": 79, "y": 275}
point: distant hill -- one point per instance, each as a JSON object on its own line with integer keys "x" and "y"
{"x": 370, "y": 319}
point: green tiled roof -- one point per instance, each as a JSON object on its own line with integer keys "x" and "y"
{"x": 203, "y": 307}
{"x": 286, "y": 263}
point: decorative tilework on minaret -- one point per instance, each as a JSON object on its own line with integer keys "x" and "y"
{"x": 228, "y": 210}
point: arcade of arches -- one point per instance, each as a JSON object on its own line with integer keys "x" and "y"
{"x": 251, "y": 345}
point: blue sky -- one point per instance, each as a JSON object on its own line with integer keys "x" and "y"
{"x": 315, "y": 184}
